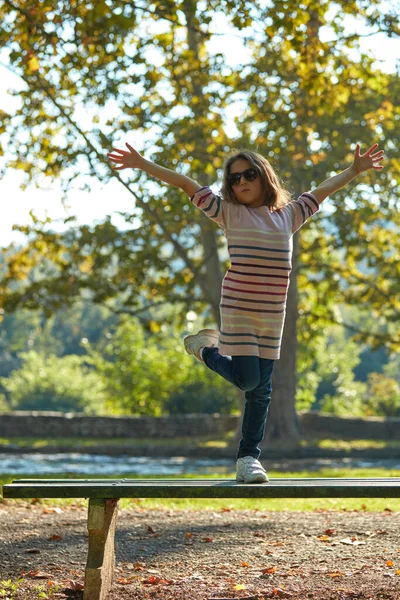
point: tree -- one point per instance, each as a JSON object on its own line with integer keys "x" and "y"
{"x": 303, "y": 103}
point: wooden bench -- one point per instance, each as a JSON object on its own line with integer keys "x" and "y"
{"x": 103, "y": 495}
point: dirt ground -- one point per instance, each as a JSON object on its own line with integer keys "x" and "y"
{"x": 189, "y": 555}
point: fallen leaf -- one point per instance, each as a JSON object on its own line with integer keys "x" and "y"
{"x": 330, "y": 531}
{"x": 124, "y": 581}
{"x": 74, "y": 586}
{"x": 280, "y": 593}
{"x": 157, "y": 580}
{"x": 55, "y": 537}
{"x": 269, "y": 570}
{"x": 275, "y": 543}
{"x": 52, "y": 509}
{"x": 352, "y": 542}
{"x": 383, "y": 532}
{"x": 389, "y": 563}
{"x": 39, "y": 575}
{"x": 207, "y": 539}
{"x": 32, "y": 551}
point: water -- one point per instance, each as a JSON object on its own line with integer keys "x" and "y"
{"x": 89, "y": 464}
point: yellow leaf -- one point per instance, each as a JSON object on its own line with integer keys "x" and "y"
{"x": 33, "y": 64}
{"x": 240, "y": 586}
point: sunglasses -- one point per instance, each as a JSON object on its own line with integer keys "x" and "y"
{"x": 249, "y": 175}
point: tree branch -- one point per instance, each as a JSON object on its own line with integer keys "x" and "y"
{"x": 178, "y": 247}
{"x": 365, "y": 281}
{"x": 133, "y": 313}
{"x": 383, "y": 337}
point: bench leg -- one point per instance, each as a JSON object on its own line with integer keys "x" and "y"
{"x": 100, "y": 564}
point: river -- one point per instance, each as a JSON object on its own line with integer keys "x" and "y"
{"x": 89, "y": 464}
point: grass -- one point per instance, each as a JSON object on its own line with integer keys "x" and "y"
{"x": 339, "y": 444}
{"x": 31, "y": 442}
{"x": 9, "y": 588}
{"x": 203, "y": 442}
{"x": 274, "y": 504}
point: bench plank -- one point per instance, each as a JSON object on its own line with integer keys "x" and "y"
{"x": 205, "y": 488}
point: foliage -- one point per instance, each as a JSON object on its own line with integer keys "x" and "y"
{"x": 47, "y": 382}
{"x": 152, "y": 375}
{"x": 60, "y": 334}
{"x": 382, "y": 397}
{"x": 392, "y": 368}
{"x": 9, "y": 588}
{"x": 4, "y": 407}
{"x": 181, "y": 91}
{"x": 338, "y": 392}
{"x": 150, "y": 74}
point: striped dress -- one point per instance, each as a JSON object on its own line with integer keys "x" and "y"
{"x": 254, "y": 289}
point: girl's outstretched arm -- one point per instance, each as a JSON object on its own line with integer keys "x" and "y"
{"x": 134, "y": 160}
{"x": 361, "y": 163}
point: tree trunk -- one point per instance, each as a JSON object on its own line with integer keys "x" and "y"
{"x": 283, "y": 426}
{"x": 213, "y": 275}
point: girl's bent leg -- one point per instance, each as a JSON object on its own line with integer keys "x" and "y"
{"x": 242, "y": 371}
{"x": 256, "y": 412}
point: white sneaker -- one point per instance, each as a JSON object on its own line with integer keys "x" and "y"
{"x": 204, "y": 338}
{"x": 250, "y": 470}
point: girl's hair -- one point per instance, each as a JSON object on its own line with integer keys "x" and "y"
{"x": 276, "y": 196}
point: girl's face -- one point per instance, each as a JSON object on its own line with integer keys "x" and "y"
{"x": 249, "y": 193}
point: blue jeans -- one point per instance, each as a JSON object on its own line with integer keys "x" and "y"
{"x": 254, "y": 376}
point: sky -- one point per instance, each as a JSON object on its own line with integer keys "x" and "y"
{"x": 106, "y": 199}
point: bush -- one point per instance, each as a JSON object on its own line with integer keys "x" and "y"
{"x": 338, "y": 392}
{"x": 151, "y": 374}
{"x": 383, "y": 396}
{"x": 47, "y": 382}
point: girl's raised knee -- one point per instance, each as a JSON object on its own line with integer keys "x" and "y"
{"x": 248, "y": 384}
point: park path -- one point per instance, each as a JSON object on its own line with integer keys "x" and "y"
{"x": 198, "y": 555}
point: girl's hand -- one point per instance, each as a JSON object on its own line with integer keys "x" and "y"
{"x": 131, "y": 159}
{"x": 364, "y": 162}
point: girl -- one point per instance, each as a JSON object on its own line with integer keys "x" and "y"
{"x": 259, "y": 219}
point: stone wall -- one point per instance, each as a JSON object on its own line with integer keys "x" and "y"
{"x": 329, "y": 426}
{"x": 69, "y": 425}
